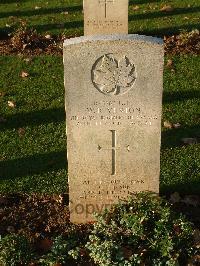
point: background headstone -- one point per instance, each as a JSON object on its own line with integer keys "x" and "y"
{"x": 113, "y": 107}
{"x": 105, "y": 17}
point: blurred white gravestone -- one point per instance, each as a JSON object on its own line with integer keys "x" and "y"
{"x": 105, "y": 17}
{"x": 113, "y": 102}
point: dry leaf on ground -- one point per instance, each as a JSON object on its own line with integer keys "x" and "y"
{"x": 167, "y": 124}
{"x": 65, "y": 13}
{"x": 45, "y": 244}
{"x": 135, "y": 8}
{"x": 177, "y": 125}
{"x": 169, "y": 63}
{"x": 27, "y": 60}
{"x": 2, "y": 93}
{"x": 167, "y": 8}
{"x": 11, "y": 104}
{"x": 21, "y": 132}
{"x": 24, "y": 74}
{"x": 48, "y": 36}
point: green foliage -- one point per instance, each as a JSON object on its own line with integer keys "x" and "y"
{"x": 60, "y": 251}
{"x": 144, "y": 231}
{"x": 15, "y": 250}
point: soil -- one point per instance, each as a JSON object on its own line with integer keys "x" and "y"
{"x": 39, "y": 218}
{"x": 42, "y": 217}
{"x": 28, "y": 42}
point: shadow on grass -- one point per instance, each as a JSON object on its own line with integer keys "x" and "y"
{"x": 171, "y": 138}
{"x": 173, "y": 96}
{"x": 56, "y": 115}
{"x": 159, "y": 14}
{"x": 184, "y": 188}
{"x": 35, "y": 164}
{"x": 12, "y": 1}
{"x": 40, "y": 12}
{"x": 140, "y": 2}
{"x": 67, "y": 25}
{"x": 166, "y": 31}
{"x": 46, "y": 27}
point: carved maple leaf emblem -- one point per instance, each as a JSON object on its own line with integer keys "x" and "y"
{"x": 112, "y": 76}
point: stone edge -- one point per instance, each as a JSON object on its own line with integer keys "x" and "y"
{"x": 113, "y": 37}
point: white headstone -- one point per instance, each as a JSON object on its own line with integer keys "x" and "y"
{"x": 105, "y": 17}
{"x": 113, "y": 108}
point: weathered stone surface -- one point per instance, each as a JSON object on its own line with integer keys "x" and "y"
{"x": 105, "y": 17}
{"x": 113, "y": 108}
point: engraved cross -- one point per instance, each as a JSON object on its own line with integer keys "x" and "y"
{"x": 105, "y": 2}
{"x": 114, "y": 149}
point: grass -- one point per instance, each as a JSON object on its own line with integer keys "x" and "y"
{"x": 51, "y": 17}
{"x": 33, "y": 141}
{"x": 36, "y": 161}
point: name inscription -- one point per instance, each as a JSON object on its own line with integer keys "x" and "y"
{"x": 113, "y": 113}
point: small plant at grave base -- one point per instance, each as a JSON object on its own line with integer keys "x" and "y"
{"x": 61, "y": 251}
{"x": 141, "y": 231}
{"x": 15, "y": 250}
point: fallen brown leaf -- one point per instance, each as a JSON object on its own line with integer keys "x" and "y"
{"x": 24, "y": 74}
{"x": 24, "y": 46}
{"x": 58, "y": 198}
{"x": 135, "y": 8}
{"x": 167, "y": 8}
{"x": 177, "y": 125}
{"x": 27, "y": 60}
{"x": 127, "y": 252}
{"x": 48, "y": 36}
{"x": 65, "y": 13}
{"x": 21, "y": 132}
{"x": 169, "y": 63}
{"x": 45, "y": 244}
{"x": 167, "y": 124}
{"x": 2, "y": 93}
{"x": 11, "y": 104}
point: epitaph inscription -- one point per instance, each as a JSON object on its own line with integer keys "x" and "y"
{"x": 113, "y": 128}
{"x": 105, "y": 17}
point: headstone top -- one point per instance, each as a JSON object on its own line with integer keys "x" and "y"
{"x": 114, "y": 37}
